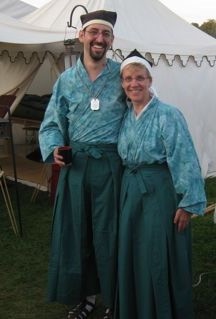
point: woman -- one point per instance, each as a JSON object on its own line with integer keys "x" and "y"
{"x": 161, "y": 188}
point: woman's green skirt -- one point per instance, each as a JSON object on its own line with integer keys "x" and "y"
{"x": 154, "y": 258}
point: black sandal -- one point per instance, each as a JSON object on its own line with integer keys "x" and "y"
{"x": 82, "y": 310}
{"x": 108, "y": 314}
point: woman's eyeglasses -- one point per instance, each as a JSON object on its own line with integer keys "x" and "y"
{"x": 140, "y": 79}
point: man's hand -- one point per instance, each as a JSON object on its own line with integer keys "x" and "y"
{"x": 58, "y": 158}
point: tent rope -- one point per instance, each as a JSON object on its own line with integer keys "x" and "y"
{"x": 200, "y": 277}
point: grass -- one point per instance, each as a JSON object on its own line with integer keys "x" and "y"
{"x": 23, "y": 262}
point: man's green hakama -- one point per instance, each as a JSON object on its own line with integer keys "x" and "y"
{"x": 85, "y": 223}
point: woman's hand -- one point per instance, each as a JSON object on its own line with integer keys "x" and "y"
{"x": 182, "y": 219}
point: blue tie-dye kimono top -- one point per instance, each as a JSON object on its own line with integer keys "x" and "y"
{"x": 160, "y": 134}
{"x": 69, "y": 116}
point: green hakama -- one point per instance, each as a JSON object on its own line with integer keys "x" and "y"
{"x": 84, "y": 239}
{"x": 154, "y": 258}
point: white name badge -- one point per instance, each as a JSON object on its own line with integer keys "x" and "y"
{"x": 95, "y": 104}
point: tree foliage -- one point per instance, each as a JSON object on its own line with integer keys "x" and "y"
{"x": 208, "y": 27}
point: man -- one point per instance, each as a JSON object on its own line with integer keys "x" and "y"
{"x": 85, "y": 112}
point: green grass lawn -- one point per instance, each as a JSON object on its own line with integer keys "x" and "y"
{"x": 23, "y": 262}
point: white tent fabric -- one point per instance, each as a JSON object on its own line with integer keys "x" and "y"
{"x": 18, "y": 32}
{"x": 16, "y": 8}
{"x": 18, "y": 76}
{"x": 148, "y": 23}
{"x": 184, "y": 57}
{"x": 20, "y": 59}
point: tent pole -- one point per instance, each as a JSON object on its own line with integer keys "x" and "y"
{"x": 15, "y": 173}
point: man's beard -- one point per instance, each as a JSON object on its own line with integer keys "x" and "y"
{"x": 97, "y": 56}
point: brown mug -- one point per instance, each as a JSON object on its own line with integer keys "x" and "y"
{"x": 66, "y": 153}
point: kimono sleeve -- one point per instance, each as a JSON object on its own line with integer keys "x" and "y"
{"x": 183, "y": 161}
{"x": 54, "y": 127}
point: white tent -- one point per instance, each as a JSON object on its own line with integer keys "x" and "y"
{"x": 23, "y": 50}
{"x": 184, "y": 57}
{"x": 15, "y": 8}
{"x": 148, "y": 23}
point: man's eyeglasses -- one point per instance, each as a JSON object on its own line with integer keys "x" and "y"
{"x": 95, "y": 33}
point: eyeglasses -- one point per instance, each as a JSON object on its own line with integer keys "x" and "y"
{"x": 139, "y": 79}
{"x": 95, "y": 33}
